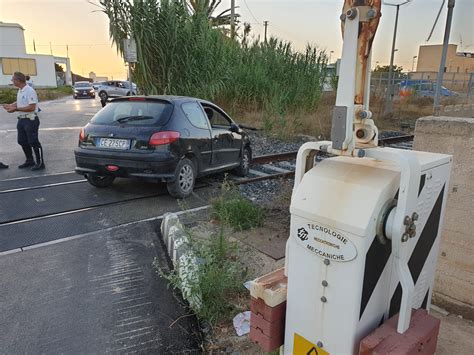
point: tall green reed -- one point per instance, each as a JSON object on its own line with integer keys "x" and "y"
{"x": 180, "y": 53}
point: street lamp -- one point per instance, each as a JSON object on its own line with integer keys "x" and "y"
{"x": 388, "y": 105}
{"x": 330, "y": 53}
{"x": 413, "y": 63}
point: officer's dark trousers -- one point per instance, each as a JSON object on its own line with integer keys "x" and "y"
{"x": 28, "y": 138}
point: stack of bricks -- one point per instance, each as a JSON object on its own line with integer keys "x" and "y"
{"x": 268, "y": 309}
{"x": 419, "y": 339}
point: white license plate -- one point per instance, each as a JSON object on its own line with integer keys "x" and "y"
{"x": 114, "y": 143}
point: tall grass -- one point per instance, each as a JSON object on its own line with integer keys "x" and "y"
{"x": 180, "y": 53}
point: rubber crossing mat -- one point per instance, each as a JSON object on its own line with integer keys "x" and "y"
{"x": 36, "y": 181}
{"x": 20, "y": 205}
{"x": 25, "y": 233}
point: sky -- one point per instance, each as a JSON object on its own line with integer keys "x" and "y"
{"x": 53, "y": 24}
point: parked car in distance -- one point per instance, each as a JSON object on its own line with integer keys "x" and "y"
{"x": 97, "y": 84}
{"x": 115, "y": 88}
{"x": 163, "y": 139}
{"x": 422, "y": 88}
{"x": 83, "y": 89}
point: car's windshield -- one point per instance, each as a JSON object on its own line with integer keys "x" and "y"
{"x": 82, "y": 85}
{"x": 134, "y": 113}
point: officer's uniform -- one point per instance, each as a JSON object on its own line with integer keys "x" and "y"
{"x": 27, "y": 127}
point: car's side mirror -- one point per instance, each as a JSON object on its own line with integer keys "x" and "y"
{"x": 234, "y": 128}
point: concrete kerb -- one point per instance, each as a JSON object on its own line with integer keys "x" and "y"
{"x": 184, "y": 261}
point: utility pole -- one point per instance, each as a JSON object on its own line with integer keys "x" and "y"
{"x": 232, "y": 19}
{"x": 413, "y": 63}
{"x": 265, "y": 23}
{"x": 439, "y": 78}
{"x": 388, "y": 104}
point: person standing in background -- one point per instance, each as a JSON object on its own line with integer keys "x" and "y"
{"x": 28, "y": 122}
{"x": 28, "y": 81}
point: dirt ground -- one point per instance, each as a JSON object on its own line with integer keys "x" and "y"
{"x": 262, "y": 250}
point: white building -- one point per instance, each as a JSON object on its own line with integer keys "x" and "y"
{"x": 39, "y": 67}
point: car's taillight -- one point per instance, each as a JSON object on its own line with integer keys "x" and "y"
{"x": 82, "y": 135}
{"x": 136, "y": 99}
{"x": 165, "y": 137}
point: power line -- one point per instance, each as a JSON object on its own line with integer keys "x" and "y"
{"x": 251, "y": 13}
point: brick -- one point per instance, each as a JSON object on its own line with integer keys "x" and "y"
{"x": 268, "y": 313}
{"x": 270, "y": 329}
{"x": 421, "y": 338}
{"x": 270, "y": 287}
{"x": 265, "y": 342}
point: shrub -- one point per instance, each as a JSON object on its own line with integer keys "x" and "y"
{"x": 7, "y": 96}
{"x": 231, "y": 208}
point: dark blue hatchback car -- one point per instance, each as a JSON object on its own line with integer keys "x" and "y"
{"x": 161, "y": 138}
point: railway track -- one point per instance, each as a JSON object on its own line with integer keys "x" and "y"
{"x": 264, "y": 167}
{"x": 44, "y": 208}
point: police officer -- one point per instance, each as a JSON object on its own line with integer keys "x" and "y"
{"x": 28, "y": 122}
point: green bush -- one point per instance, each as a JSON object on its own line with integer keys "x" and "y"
{"x": 231, "y": 208}
{"x": 217, "y": 275}
{"x": 7, "y": 96}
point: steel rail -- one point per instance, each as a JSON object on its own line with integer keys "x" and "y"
{"x": 269, "y": 158}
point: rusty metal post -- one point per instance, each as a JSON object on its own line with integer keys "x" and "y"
{"x": 439, "y": 79}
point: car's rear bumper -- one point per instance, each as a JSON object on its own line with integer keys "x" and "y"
{"x": 157, "y": 167}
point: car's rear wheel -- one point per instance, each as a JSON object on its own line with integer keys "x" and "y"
{"x": 183, "y": 184}
{"x": 244, "y": 167}
{"x": 100, "y": 180}
{"x": 103, "y": 96}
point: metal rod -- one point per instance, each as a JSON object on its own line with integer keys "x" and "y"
{"x": 388, "y": 105}
{"x": 130, "y": 78}
{"x": 232, "y": 19}
{"x": 439, "y": 78}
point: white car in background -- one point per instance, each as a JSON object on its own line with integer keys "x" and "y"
{"x": 115, "y": 88}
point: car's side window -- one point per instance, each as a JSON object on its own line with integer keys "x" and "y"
{"x": 216, "y": 118}
{"x": 194, "y": 114}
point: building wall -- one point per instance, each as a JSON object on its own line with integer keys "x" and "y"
{"x": 454, "y": 287}
{"x": 12, "y": 45}
{"x": 46, "y": 74}
{"x": 12, "y": 40}
{"x": 429, "y": 58}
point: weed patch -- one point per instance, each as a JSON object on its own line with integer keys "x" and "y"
{"x": 231, "y": 208}
{"x": 9, "y": 95}
{"x": 211, "y": 266}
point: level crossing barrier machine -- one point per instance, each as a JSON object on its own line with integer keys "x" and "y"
{"x": 365, "y": 223}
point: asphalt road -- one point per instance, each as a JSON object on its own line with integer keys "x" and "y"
{"x": 76, "y": 261}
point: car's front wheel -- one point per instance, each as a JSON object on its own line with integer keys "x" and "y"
{"x": 100, "y": 180}
{"x": 183, "y": 184}
{"x": 244, "y": 166}
{"x": 103, "y": 96}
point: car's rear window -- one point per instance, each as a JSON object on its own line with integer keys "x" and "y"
{"x": 134, "y": 113}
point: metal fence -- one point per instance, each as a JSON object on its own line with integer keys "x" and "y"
{"x": 461, "y": 83}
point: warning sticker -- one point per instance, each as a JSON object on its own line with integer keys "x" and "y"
{"x": 301, "y": 346}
